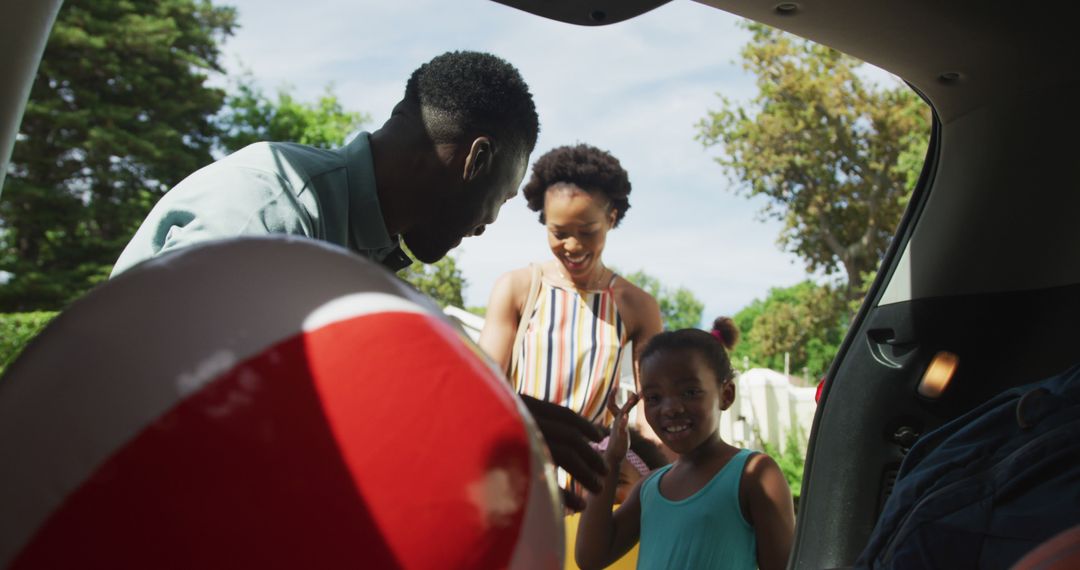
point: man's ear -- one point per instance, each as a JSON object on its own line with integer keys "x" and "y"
{"x": 479, "y": 160}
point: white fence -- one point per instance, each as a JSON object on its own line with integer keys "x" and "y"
{"x": 767, "y": 407}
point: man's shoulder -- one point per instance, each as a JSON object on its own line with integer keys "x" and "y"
{"x": 268, "y": 167}
{"x": 275, "y": 155}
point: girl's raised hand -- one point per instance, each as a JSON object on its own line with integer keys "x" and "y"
{"x": 619, "y": 440}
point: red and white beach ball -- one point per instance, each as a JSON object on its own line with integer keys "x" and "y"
{"x": 266, "y": 403}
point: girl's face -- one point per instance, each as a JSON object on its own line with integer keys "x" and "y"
{"x": 683, "y": 399}
{"x": 577, "y": 224}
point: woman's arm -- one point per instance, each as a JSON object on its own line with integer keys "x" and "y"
{"x": 502, "y": 317}
{"x": 646, "y": 323}
{"x": 772, "y": 513}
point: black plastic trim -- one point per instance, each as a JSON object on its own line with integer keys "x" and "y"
{"x": 586, "y": 13}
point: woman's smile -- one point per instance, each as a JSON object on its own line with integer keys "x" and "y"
{"x": 576, "y": 263}
{"x": 578, "y": 222}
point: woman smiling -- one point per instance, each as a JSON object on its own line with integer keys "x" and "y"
{"x": 559, "y": 328}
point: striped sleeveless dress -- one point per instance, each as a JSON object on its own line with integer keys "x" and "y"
{"x": 571, "y": 350}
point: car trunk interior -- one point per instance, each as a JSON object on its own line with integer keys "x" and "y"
{"x": 984, "y": 262}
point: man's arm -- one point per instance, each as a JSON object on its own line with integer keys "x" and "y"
{"x": 567, "y": 436}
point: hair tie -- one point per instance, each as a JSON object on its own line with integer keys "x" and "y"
{"x": 718, "y": 336}
{"x": 635, "y": 460}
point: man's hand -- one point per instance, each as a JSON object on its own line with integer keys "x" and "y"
{"x": 567, "y": 435}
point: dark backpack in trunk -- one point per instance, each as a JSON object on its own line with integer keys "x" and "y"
{"x": 986, "y": 488}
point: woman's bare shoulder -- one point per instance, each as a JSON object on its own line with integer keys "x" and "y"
{"x": 632, "y": 297}
{"x": 521, "y": 275}
{"x": 513, "y": 285}
{"x": 637, "y": 306}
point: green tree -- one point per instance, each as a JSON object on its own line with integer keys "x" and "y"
{"x": 250, "y": 116}
{"x": 17, "y": 330}
{"x": 119, "y": 111}
{"x": 806, "y": 321}
{"x": 835, "y": 156}
{"x": 679, "y": 307}
{"x": 441, "y": 281}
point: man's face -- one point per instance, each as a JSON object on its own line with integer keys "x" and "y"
{"x": 466, "y": 210}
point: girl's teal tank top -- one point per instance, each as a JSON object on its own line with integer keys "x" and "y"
{"x": 704, "y": 530}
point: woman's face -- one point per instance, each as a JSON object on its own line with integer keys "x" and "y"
{"x": 577, "y": 224}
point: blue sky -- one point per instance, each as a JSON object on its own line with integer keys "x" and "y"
{"x": 636, "y": 89}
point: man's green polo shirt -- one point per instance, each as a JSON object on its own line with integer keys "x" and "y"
{"x": 273, "y": 188}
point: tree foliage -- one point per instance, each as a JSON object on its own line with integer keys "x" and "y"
{"x": 119, "y": 111}
{"x": 835, "y": 155}
{"x": 251, "y": 116}
{"x": 18, "y": 329}
{"x": 806, "y": 321}
{"x": 679, "y": 307}
{"x": 791, "y": 460}
{"x": 441, "y": 281}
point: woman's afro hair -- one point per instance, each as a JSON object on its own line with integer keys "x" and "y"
{"x": 584, "y": 166}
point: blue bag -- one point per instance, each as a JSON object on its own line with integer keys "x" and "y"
{"x": 984, "y": 489}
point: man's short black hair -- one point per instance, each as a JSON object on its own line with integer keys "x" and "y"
{"x": 464, "y": 92}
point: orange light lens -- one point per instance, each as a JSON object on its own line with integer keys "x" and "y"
{"x": 938, "y": 375}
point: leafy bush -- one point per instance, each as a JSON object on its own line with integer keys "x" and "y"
{"x": 791, "y": 459}
{"x": 16, "y": 330}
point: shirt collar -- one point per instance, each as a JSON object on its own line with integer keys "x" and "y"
{"x": 367, "y": 229}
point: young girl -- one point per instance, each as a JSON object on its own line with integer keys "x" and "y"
{"x": 717, "y": 506}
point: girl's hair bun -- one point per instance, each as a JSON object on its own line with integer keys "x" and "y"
{"x": 725, "y": 330}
